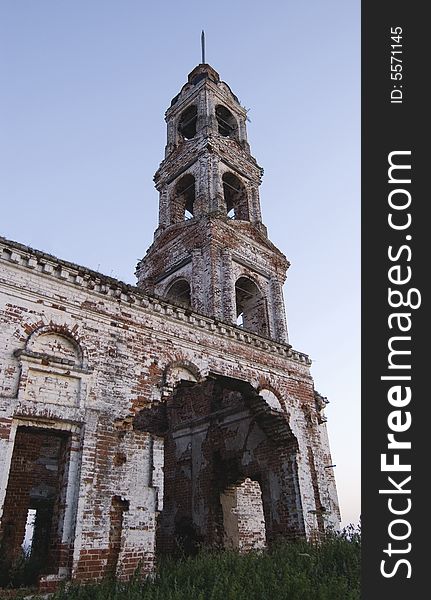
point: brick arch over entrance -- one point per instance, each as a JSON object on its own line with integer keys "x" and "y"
{"x": 216, "y": 433}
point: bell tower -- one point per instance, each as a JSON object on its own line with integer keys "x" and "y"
{"x": 211, "y": 251}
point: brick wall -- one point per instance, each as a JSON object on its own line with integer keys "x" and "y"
{"x": 107, "y": 355}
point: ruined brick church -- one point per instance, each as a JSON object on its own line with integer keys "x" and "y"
{"x": 137, "y": 421}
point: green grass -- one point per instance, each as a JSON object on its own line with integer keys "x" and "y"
{"x": 295, "y": 571}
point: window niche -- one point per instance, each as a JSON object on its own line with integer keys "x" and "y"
{"x": 179, "y": 293}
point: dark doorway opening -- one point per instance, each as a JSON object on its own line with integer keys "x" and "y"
{"x": 34, "y": 506}
{"x": 118, "y": 507}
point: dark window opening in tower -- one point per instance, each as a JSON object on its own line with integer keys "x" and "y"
{"x": 180, "y": 293}
{"x": 251, "y": 307}
{"x": 227, "y": 125}
{"x": 188, "y": 121}
{"x": 235, "y": 197}
{"x": 184, "y": 199}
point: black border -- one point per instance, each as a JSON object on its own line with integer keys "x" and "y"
{"x": 387, "y": 127}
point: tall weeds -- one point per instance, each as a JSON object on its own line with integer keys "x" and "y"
{"x": 290, "y": 571}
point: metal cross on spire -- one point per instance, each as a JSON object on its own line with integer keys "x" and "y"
{"x": 203, "y": 46}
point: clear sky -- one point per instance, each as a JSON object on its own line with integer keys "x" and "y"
{"x": 84, "y": 86}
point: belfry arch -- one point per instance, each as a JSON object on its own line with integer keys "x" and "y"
{"x": 235, "y": 197}
{"x": 227, "y": 125}
{"x": 251, "y": 306}
{"x": 183, "y": 199}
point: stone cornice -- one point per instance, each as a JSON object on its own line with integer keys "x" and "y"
{"x": 47, "y": 265}
{"x": 186, "y": 154}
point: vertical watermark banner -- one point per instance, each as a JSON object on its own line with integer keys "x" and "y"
{"x": 395, "y": 309}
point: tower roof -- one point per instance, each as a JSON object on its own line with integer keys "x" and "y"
{"x": 200, "y": 72}
{"x": 203, "y": 71}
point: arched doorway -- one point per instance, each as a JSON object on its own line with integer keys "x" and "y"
{"x": 221, "y": 440}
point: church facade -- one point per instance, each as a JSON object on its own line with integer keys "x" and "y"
{"x": 173, "y": 414}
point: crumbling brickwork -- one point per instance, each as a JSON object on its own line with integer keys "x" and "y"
{"x": 243, "y": 517}
{"x": 175, "y": 413}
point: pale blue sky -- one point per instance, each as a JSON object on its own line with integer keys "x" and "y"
{"x": 85, "y": 84}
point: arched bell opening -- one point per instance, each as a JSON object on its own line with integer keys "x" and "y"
{"x": 235, "y": 196}
{"x": 183, "y": 202}
{"x": 226, "y": 122}
{"x": 187, "y": 122}
{"x": 251, "y": 308}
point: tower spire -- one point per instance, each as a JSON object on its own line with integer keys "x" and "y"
{"x": 203, "y": 46}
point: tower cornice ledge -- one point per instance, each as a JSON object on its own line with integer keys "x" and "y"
{"x": 216, "y": 227}
{"x": 228, "y": 150}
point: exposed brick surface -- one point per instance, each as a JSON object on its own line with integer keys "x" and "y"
{"x": 243, "y": 516}
{"x": 150, "y": 408}
{"x": 35, "y": 482}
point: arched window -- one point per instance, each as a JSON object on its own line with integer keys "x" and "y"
{"x": 227, "y": 125}
{"x": 187, "y": 122}
{"x": 235, "y": 197}
{"x": 56, "y": 343}
{"x": 184, "y": 199}
{"x": 179, "y": 293}
{"x": 251, "y": 307}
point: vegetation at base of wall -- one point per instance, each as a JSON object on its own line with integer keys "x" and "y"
{"x": 329, "y": 570}
{"x": 22, "y": 571}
